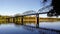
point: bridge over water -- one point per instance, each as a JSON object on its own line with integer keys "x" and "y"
{"x": 31, "y": 12}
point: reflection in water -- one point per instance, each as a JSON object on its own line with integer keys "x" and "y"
{"x": 30, "y": 29}
{"x": 40, "y": 31}
{"x": 22, "y": 29}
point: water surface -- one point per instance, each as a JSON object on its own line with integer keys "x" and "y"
{"x": 21, "y": 29}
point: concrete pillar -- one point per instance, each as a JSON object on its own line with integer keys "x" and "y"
{"x": 37, "y": 16}
{"x": 21, "y": 20}
{"x": 14, "y": 19}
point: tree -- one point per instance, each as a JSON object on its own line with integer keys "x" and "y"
{"x": 56, "y": 8}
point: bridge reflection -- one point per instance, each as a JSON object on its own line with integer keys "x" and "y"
{"x": 41, "y": 30}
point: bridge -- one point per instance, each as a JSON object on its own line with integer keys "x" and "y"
{"x": 31, "y": 12}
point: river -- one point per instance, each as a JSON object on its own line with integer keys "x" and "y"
{"x": 12, "y": 28}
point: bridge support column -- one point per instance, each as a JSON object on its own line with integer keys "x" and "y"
{"x": 37, "y": 16}
{"x": 21, "y": 20}
{"x": 13, "y": 19}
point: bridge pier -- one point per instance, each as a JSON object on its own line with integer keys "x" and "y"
{"x": 37, "y": 24}
{"x": 21, "y": 20}
{"x": 14, "y": 19}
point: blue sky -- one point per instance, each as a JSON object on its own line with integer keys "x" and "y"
{"x": 11, "y": 7}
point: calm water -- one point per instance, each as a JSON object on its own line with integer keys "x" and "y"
{"x": 21, "y": 29}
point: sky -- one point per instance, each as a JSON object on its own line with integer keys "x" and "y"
{"x": 12, "y": 7}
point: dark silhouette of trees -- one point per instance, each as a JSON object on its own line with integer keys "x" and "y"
{"x": 44, "y": 0}
{"x": 56, "y": 8}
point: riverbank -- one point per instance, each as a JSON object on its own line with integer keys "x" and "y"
{"x": 9, "y": 19}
